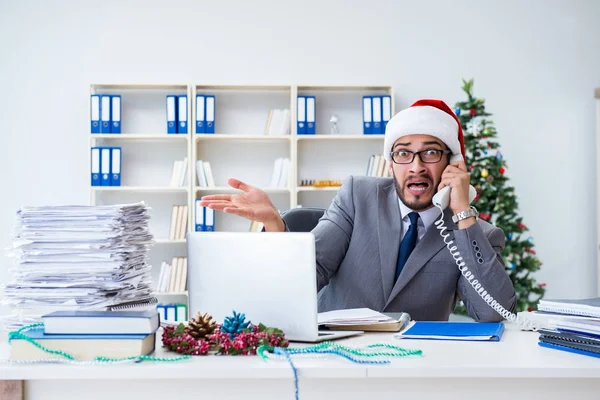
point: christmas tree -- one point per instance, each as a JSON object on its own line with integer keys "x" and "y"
{"x": 496, "y": 200}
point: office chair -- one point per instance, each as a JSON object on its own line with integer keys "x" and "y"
{"x": 302, "y": 219}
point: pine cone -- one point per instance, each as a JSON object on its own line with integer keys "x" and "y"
{"x": 201, "y": 326}
{"x": 236, "y": 324}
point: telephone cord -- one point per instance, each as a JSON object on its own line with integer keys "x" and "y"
{"x": 524, "y": 323}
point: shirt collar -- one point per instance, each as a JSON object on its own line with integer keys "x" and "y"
{"x": 426, "y": 217}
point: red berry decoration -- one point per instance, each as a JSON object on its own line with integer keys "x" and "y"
{"x": 484, "y": 216}
{"x": 235, "y": 337}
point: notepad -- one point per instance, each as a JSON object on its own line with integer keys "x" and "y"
{"x": 465, "y": 331}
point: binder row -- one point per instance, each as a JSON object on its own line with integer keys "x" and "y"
{"x": 172, "y": 312}
{"x": 307, "y": 115}
{"x": 205, "y": 218}
{"x": 106, "y": 166}
{"x": 205, "y": 113}
{"x": 177, "y": 114}
{"x": 105, "y": 113}
{"x": 377, "y": 111}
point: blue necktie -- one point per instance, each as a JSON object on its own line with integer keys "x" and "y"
{"x": 408, "y": 243}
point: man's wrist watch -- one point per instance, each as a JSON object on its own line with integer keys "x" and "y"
{"x": 471, "y": 212}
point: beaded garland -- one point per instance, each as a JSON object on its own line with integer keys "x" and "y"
{"x": 66, "y": 358}
{"x": 370, "y": 352}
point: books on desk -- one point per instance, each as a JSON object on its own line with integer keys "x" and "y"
{"x": 101, "y": 322}
{"x": 464, "y": 331}
{"x": 82, "y": 347}
{"x": 86, "y": 335}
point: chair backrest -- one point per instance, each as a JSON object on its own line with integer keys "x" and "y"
{"x": 302, "y": 219}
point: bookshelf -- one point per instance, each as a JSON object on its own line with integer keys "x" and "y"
{"x": 240, "y": 148}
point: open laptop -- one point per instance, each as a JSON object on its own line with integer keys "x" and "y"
{"x": 268, "y": 276}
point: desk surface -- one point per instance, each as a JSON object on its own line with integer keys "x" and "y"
{"x": 517, "y": 355}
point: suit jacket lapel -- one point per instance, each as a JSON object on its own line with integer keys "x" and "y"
{"x": 388, "y": 227}
{"x": 426, "y": 248}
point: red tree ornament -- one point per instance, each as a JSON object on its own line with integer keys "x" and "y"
{"x": 473, "y": 112}
{"x": 502, "y": 170}
{"x": 484, "y": 216}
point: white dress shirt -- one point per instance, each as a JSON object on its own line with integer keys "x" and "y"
{"x": 426, "y": 219}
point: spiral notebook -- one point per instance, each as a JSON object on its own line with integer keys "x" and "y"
{"x": 589, "y": 307}
{"x": 570, "y": 341}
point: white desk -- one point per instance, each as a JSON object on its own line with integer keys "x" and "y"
{"x": 514, "y": 368}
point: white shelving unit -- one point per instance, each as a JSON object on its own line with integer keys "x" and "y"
{"x": 239, "y": 148}
{"x": 148, "y": 153}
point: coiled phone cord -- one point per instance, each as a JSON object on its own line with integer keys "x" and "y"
{"x": 521, "y": 320}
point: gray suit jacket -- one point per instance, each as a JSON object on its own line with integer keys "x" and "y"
{"x": 357, "y": 244}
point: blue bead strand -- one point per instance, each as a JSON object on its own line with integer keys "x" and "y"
{"x": 68, "y": 358}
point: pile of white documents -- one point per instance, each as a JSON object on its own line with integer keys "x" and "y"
{"x": 78, "y": 258}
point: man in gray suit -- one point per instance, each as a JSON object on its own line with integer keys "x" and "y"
{"x": 377, "y": 245}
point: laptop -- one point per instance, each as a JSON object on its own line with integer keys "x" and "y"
{"x": 268, "y": 276}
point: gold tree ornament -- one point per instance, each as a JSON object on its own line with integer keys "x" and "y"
{"x": 201, "y": 326}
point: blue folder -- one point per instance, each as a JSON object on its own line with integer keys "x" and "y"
{"x": 465, "y": 331}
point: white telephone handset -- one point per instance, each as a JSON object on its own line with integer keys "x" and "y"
{"x": 441, "y": 200}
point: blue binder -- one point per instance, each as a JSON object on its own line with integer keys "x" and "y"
{"x": 170, "y": 313}
{"x": 199, "y": 217}
{"x": 171, "y": 114}
{"x": 386, "y": 111}
{"x": 105, "y": 165}
{"x": 376, "y": 108}
{"x": 182, "y": 116}
{"x": 200, "y": 113}
{"x": 465, "y": 331}
{"x": 301, "y": 115}
{"x": 115, "y": 166}
{"x": 95, "y": 113}
{"x": 209, "y": 220}
{"x": 115, "y": 113}
{"x": 311, "y": 115}
{"x": 575, "y": 350}
{"x": 210, "y": 114}
{"x": 105, "y": 117}
{"x": 162, "y": 311}
{"x": 367, "y": 115}
{"x": 95, "y": 166}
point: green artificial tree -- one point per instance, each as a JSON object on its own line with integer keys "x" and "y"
{"x": 496, "y": 200}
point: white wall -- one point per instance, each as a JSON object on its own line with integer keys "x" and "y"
{"x": 536, "y": 63}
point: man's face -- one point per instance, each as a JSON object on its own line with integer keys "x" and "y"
{"x": 417, "y": 182}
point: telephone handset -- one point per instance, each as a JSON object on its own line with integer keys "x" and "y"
{"x": 441, "y": 200}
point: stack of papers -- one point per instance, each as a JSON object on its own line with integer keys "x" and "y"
{"x": 362, "y": 319}
{"x": 78, "y": 258}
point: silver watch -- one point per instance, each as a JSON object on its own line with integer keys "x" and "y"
{"x": 471, "y": 212}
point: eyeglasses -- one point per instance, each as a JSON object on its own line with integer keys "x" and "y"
{"x": 429, "y": 156}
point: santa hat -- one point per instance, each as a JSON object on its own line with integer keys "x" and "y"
{"x": 426, "y": 117}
